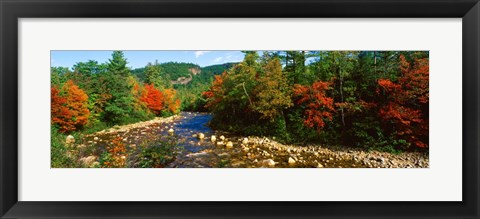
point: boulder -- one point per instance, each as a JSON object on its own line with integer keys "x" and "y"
{"x": 95, "y": 139}
{"x": 245, "y": 141}
{"x": 229, "y": 144}
{"x": 220, "y": 143}
{"x": 269, "y": 162}
{"x": 222, "y": 138}
{"x": 170, "y": 131}
{"x": 213, "y": 138}
{"x": 201, "y": 136}
{"x": 70, "y": 139}
{"x": 291, "y": 160}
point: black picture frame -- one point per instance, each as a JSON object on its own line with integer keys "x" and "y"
{"x": 12, "y": 10}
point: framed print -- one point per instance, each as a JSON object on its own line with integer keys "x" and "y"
{"x": 239, "y": 109}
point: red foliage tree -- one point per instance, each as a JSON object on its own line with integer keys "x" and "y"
{"x": 407, "y": 102}
{"x": 318, "y": 107}
{"x": 215, "y": 94}
{"x": 153, "y": 98}
{"x": 69, "y": 108}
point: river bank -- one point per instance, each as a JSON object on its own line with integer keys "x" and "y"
{"x": 242, "y": 151}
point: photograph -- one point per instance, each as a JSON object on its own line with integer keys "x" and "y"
{"x": 239, "y": 109}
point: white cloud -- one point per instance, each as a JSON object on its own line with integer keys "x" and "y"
{"x": 200, "y": 53}
{"x": 219, "y": 59}
{"x": 228, "y": 58}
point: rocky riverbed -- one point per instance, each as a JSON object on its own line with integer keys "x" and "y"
{"x": 204, "y": 147}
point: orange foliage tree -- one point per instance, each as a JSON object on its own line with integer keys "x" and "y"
{"x": 153, "y": 98}
{"x": 60, "y": 115}
{"x": 215, "y": 94}
{"x": 69, "y": 108}
{"x": 318, "y": 107}
{"x": 170, "y": 101}
{"x": 407, "y": 102}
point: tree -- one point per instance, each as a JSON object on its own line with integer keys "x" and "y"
{"x": 216, "y": 93}
{"x": 153, "y": 75}
{"x": 69, "y": 107}
{"x": 118, "y": 64}
{"x": 272, "y": 92}
{"x": 318, "y": 107}
{"x": 170, "y": 101}
{"x": 120, "y": 105}
{"x": 60, "y": 114}
{"x": 406, "y": 107}
{"x": 153, "y": 98}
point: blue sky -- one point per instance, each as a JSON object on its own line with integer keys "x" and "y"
{"x": 137, "y": 59}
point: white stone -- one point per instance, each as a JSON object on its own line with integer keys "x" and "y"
{"x": 201, "y": 136}
{"x": 95, "y": 139}
{"x": 170, "y": 131}
{"x": 291, "y": 160}
{"x": 70, "y": 139}
{"x": 229, "y": 144}
{"x": 222, "y": 138}
{"x": 213, "y": 138}
{"x": 269, "y": 162}
{"x": 245, "y": 141}
{"x": 219, "y": 143}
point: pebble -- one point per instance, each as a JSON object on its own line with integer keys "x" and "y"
{"x": 229, "y": 144}
{"x": 201, "y": 136}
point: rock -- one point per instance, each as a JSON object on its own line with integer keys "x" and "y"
{"x": 220, "y": 143}
{"x": 222, "y": 138}
{"x": 229, "y": 144}
{"x": 95, "y": 139}
{"x": 319, "y": 166}
{"x": 88, "y": 161}
{"x": 70, "y": 139}
{"x": 201, "y": 136}
{"x": 291, "y": 160}
{"x": 213, "y": 138}
{"x": 170, "y": 131}
{"x": 194, "y": 135}
{"x": 245, "y": 141}
{"x": 269, "y": 162}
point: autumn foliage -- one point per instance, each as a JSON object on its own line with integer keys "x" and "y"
{"x": 170, "y": 101}
{"x": 69, "y": 107}
{"x": 215, "y": 94}
{"x": 406, "y": 107}
{"x": 153, "y": 98}
{"x": 318, "y": 107}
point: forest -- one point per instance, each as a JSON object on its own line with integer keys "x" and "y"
{"x": 371, "y": 101}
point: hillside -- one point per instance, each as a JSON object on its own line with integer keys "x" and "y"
{"x": 172, "y": 71}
